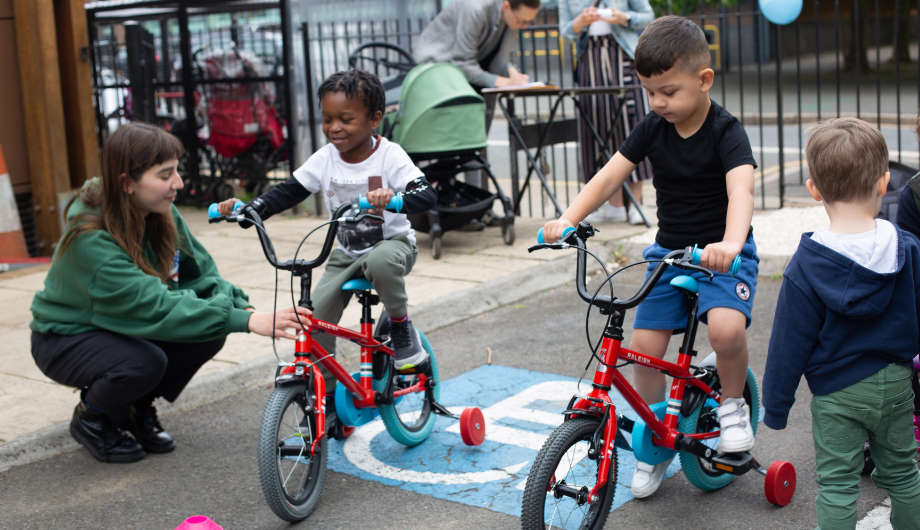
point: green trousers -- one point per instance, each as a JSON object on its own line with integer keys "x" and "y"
{"x": 385, "y": 266}
{"x": 880, "y": 408}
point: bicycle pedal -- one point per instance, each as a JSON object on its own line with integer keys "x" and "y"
{"x": 734, "y": 463}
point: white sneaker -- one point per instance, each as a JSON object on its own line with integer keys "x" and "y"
{"x": 607, "y": 214}
{"x": 735, "y": 422}
{"x": 647, "y": 478}
{"x": 635, "y": 218}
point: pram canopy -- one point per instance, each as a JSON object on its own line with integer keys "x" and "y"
{"x": 439, "y": 112}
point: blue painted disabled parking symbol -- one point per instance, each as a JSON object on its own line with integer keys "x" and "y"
{"x": 521, "y": 409}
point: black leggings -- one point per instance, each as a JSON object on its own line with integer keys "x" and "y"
{"x": 119, "y": 370}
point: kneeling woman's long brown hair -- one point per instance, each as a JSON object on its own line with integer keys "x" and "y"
{"x": 127, "y": 154}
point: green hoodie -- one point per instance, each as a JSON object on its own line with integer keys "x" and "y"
{"x": 96, "y": 285}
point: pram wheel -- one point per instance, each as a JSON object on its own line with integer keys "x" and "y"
{"x": 221, "y": 192}
{"x": 436, "y": 247}
{"x": 508, "y": 233}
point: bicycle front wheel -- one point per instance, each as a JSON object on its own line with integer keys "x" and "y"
{"x": 410, "y": 418}
{"x": 562, "y": 465}
{"x": 292, "y": 479}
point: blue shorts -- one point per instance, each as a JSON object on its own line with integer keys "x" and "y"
{"x": 666, "y": 308}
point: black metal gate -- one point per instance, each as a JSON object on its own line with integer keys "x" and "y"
{"x": 216, "y": 74}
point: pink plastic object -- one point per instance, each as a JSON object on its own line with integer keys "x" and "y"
{"x": 917, "y": 430}
{"x": 917, "y": 363}
{"x": 199, "y": 522}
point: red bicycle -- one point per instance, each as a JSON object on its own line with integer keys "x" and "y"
{"x": 292, "y": 451}
{"x": 573, "y": 477}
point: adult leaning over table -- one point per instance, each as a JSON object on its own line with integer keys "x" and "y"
{"x": 478, "y": 37}
{"x": 133, "y": 304}
{"x": 606, "y": 33}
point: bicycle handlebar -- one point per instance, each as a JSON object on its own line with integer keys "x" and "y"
{"x": 572, "y": 237}
{"x": 565, "y": 234}
{"x": 248, "y": 212}
{"x": 697, "y": 254}
{"x": 395, "y": 204}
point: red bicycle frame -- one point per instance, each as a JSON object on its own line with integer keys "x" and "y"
{"x": 606, "y": 376}
{"x": 363, "y": 391}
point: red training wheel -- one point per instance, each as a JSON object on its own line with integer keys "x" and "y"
{"x": 779, "y": 486}
{"x": 472, "y": 426}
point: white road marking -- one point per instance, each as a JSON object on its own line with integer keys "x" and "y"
{"x": 877, "y": 519}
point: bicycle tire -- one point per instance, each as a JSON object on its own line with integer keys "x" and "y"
{"x": 698, "y": 471}
{"x": 298, "y": 502}
{"x": 538, "y": 495}
{"x": 398, "y": 418}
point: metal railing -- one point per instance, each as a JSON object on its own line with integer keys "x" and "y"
{"x": 229, "y": 55}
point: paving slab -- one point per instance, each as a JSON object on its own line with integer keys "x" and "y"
{"x": 18, "y": 362}
{"x": 26, "y": 402}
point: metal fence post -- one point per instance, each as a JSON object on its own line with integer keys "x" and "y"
{"x": 779, "y": 114}
{"x": 188, "y": 86}
{"x": 141, "y": 71}
{"x": 311, "y": 105}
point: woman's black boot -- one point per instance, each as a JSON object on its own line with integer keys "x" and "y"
{"x": 145, "y": 426}
{"x": 105, "y": 440}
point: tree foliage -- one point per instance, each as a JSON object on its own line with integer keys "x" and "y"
{"x": 690, "y": 7}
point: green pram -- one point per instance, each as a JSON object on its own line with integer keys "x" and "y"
{"x": 440, "y": 122}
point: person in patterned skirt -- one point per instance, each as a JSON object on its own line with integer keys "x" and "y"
{"x": 605, "y": 33}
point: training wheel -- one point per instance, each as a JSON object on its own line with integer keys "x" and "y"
{"x": 779, "y": 486}
{"x": 472, "y": 426}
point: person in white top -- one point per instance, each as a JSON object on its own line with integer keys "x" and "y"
{"x": 358, "y": 162}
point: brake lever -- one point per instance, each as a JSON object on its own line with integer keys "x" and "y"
{"x": 682, "y": 264}
{"x": 228, "y": 218}
{"x": 554, "y": 246}
{"x": 359, "y": 218}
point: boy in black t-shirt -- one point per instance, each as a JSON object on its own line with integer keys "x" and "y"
{"x": 704, "y": 178}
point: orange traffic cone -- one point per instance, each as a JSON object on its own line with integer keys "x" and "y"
{"x": 12, "y": 241}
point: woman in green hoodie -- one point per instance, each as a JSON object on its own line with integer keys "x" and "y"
{"x": 133, "y": 304}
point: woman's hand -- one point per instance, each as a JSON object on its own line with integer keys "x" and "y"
{"x": 226, "y": 207}
{"x": 514, "y": 78}
{"x": 584, "y": 19}
{"x": 261, "y": 323}
{"x": 618, "y": 18}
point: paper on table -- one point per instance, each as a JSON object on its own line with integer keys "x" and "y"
{"x": 525, "y": 86}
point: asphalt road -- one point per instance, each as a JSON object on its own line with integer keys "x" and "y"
{"x": 213, "y": 471}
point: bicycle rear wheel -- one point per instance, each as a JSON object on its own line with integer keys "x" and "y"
{"x": 410, "y": 418}
{"x": 563, "y": 461}
{"x": 703, "y": 418}
{"x": 292, "y": 479}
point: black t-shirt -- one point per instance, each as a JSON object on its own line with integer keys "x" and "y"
{"x": 689, "y": 174}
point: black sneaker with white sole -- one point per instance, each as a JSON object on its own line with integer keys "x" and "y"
{"x": 407, "y": 345}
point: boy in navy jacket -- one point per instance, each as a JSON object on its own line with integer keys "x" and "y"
{"x": 847, "y": 318}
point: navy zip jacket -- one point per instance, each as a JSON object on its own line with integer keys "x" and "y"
{"x": 838, "y": 322}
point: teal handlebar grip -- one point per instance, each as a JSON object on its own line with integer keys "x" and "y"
{"x": 565, "y": 232}
{"x": 395, "y": 204}
{"x": 212, "y": 210}
{"x": 733, "y": 270}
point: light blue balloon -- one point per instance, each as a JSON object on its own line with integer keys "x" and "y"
{"x": 781, "y": 12}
